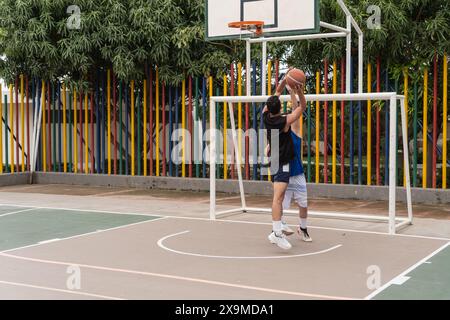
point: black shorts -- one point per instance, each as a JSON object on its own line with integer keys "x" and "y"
{"x": 283, "y": 174}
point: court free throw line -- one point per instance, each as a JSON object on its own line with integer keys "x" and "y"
{"x": 174, "y": 277}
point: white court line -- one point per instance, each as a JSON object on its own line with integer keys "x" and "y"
{"x": 59, "y": 290}
{"x": 14, "y": 212}
{"x": 82, "y": 235}
{"x": 401, "y": 276}
{"x": 230, "y": 221}
{"x": 220, "y": 199}
{"x": 110, "y": 193}
{"x": 188, "y": 279}
{"x": 161, "y": 245}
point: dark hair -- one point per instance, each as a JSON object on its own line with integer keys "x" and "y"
{"x": 274, "y": 105}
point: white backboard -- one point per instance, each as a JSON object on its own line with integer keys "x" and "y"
{"x": 281, "y": 17}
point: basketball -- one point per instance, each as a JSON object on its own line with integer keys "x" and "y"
{"x": 295, "y": 77}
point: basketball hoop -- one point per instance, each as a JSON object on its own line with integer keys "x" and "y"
{"x": 253, "y": 26}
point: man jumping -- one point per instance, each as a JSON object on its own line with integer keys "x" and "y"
{"x": 279, "y": 128}
{"x": 297, "y": 182}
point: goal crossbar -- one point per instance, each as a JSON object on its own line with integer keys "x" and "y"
{"x": 394, "y": 223}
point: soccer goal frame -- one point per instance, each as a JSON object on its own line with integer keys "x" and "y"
{"x": 394, "y": 222}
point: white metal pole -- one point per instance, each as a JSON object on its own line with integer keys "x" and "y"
{"x": 311, "y": 97}
{"x": 248, "y": 75}
{"x": 212, "y": 158}
{"x": 301, "y": 37}
{"x": 392, "y": 163}
{"x": 333, "y": 27}
{"x": 348, "y": 55}
{"x": 406, "y": 159}
{"x": 37, "y": 135}
{"x": 36, "y": 128}
{"x": 264, "y": 68}
{"x": 237, "y": 157}
{"x": 33, "y": 138}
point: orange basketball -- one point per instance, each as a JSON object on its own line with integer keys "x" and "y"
{"x": 295, "y": 77}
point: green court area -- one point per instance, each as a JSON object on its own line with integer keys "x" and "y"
{"x": 429, "y": 281}
{"x": 21, "y": 226}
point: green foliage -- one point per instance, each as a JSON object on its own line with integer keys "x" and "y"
{"x": 126, "y": 35}
{"x": 121, "y": 34}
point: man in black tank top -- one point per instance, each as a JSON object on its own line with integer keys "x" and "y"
{"x": 278, "y": 130}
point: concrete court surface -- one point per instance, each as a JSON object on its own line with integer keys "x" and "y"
{"x": 150, "y": 244}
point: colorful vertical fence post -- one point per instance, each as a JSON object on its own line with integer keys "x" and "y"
{"x": 445, "y": 117}
{"x": 92, "y": 131}
{"x": 369, "y": 126}
{"x": 114, "y": 113}
{"x": 351, "y": 118}
{"x": 43, "y": 135}
{"x": 5, "y": 106}
{"x": 59, "y": 108}
{"x": 204, "y": 106}
{"x": 137, "y": 133}
{"x": 425, "y": 129}
{"x": 53, "y": 120}
{"x": 75, "y": 148}
{"x": 225, "y": 130}
{"x": 170, "y": 131}
{"x": 325, "y": 126}
{"x": 415, "y": 150}
{"x": 108, "y": 117}
{"x": 150, "y": 88}
{"x": 317, "y": 129}
{"x": 132, "y": 127}
{"x": 196, "y": 131}
{"x": 120, "y": 129}
{"x": 81, "y": 130}
{"x": 378, "y": 125}
{"x": 177, "y": 124}
{"x": 232, "y": 93}
{"x": 405, "y": 93}
{"x": 334, "y": 133}
{"x": 189, "y": 118}
{"x": 255, "y": 123}
{"x": 144, "y": 129}
{"x": 163, "y": 109}
{"x": 435, "y": 130}
{"x": 183, "y": 127}
{"x": 22, "y": 117}
{"x": 342, "y": 122}
{"x": 1, "y": 132}
{"x": 157, "y": 121}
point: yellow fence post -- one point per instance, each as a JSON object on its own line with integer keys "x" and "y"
{"x": 75, "y": 152}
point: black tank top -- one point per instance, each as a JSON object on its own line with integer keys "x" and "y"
{"x": 275, "y": 126}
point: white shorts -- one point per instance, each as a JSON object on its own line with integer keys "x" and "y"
{"x": 297, "y": 190}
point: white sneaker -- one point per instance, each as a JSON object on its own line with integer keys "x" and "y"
{"x": 279, "y": 240}
{"x": 304, "y": 235}
{"x": 287, "y": 230}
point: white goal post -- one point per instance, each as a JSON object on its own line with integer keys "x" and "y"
{"x": 394, "y": 222}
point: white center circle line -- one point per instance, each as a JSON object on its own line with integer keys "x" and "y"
{"x": 162, "y": 246}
